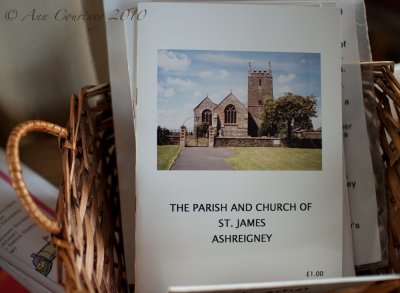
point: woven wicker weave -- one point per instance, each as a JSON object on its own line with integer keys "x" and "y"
{"x": 87, "y": 229}
{"x": 387, "y": 93}
{"x": 387, "y": 102}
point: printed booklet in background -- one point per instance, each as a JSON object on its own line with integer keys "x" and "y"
{"x": 224, "y": 215}
{"x": 26, "y": 251}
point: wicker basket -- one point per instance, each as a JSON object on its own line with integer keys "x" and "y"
{"x": 386, "y": 99}
{"x": 387, "y": 93}
{"x": 87, "y": 230}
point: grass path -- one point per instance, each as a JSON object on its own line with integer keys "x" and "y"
{"x": 258, "y": 158}
{"x": 166, "y": 155}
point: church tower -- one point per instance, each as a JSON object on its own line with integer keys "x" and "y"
{"x": 259, "y": 87}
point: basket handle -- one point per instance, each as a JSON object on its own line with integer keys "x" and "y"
{"x": 15, "y": 170}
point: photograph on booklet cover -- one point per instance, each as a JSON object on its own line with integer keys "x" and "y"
{"x": 252, "y": 101}
{"x": 216, "y": 227}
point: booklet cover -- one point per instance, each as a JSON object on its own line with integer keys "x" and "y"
{"x": 238, "y": 143}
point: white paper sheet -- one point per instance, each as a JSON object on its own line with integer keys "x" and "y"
{"x": 360, "y": 177}
{"x": 176, "y": 247}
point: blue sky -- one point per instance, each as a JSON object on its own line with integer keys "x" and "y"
{"x": 186, "y": 77}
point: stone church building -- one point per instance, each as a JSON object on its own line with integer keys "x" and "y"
{"x": 231, "y": 117}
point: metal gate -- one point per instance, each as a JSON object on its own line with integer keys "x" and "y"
{"x": 194, "y": 141}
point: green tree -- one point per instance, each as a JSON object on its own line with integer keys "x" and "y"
{"x": 303, "y": 120}
{"x": 202, "y": 130}
{"x": 163, "y": 136}
{"x": 290, "y": 111}
{"x": 269, "y": 126}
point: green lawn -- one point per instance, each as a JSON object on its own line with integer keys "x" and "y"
{"x": 275, "y": 158}
{"x": 166, "y": 155}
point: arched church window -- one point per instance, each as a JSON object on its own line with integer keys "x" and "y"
{"x": 230, "y": 114}
{"x": 259, "y": 82}
{"x": 206, "y": 116}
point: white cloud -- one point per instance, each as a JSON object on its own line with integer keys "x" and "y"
{"x": 284, "y": 89}
{"x": 165, "y": 92}
{"x": 317, "y": 123}
{"x": 208, "y": 74}
{"x": 184, "y": 84}
{"x": 217, "y": 95}
{"x": 240, "y": 93}
{"x": 205, "y": 74}
{"x": 174, "y": 118}
{"x": 170, "y": 60}
{"x": 221, "y": 59}
{"x": 285, "y": 78}
{"x": 169, "y": 92}
{"x": 285, "y": 66}
{"x": 198, "y": 94}
{"x": 223, "y": 73}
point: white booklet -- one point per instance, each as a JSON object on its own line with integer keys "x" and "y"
{"x": 276, "y": 220}
{"x": 360, "y": 178}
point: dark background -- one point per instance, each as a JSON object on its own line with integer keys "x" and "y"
{"x": 383, "y": 17}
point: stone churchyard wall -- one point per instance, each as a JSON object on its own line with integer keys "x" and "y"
{"x": 266, "y": 142}
{"x": 308, "y": 143}
{"x": 174, "y": 139}
{"x": 248, "y": 142}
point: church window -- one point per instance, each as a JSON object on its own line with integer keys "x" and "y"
{"x": 230, "y": 114}
{"x": 259, "y": 82}
{"x": 206, "y": 117}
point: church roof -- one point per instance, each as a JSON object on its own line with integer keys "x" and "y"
{"x": 203, "y": 101}
{"x": 232, "y": 99}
